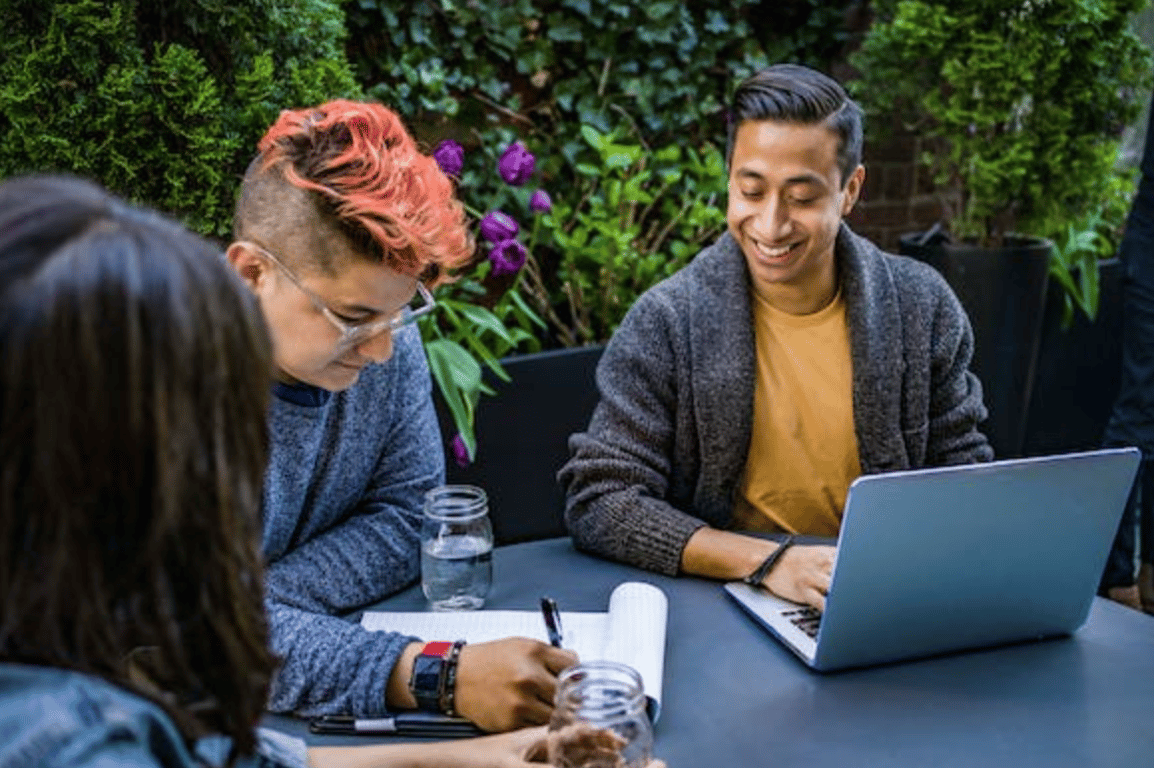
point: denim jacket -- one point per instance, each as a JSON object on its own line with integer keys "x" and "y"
{"x": 53, "y": 718}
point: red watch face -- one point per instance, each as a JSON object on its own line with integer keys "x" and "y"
{"x": 438, "y": 649}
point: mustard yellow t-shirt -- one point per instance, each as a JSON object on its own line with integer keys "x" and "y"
{"x": 803, "y": 454}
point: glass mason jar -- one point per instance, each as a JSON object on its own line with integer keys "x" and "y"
{"x": 456, "y": 548}
{"x": 599, "y": 718}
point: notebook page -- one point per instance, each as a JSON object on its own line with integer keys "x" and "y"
{"x": 636, "y": 633}
{"x": 583, "y": 631}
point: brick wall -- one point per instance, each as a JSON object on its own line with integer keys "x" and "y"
{"x": 898, "y": 196}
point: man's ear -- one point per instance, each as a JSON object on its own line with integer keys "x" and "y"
{"x": 248, "y": 263}
{"x": 852, "y": 190}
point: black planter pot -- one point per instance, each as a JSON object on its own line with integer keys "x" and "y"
{"x": 1003, "y": 291}
{"x": 1079, "y": 371}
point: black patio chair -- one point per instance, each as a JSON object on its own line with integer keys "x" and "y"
{"x": 523, "y": 435}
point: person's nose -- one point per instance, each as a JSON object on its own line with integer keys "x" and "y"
{"x": 378, "y": 348}
{"x": 773, "y": 220}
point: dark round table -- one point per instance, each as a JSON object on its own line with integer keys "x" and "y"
{"x": 734, "y": 697}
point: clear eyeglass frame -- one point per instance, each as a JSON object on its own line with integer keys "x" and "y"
{"x": 355, "y": 333}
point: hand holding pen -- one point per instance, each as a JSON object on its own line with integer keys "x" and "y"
{"x": 552, "y": 620}
{"x": 509, "y": 683}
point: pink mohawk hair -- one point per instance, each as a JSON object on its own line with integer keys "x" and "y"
{"x": 386, "y": 194}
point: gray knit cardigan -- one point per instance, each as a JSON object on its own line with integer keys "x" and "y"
{"x": 668, "y": 440}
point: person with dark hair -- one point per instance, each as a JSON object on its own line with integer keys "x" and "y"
{"x": 1132, "y": 419}
{"x": 134, "y": 380}
{"x": 340, "y": 222}
{"x": 746, "y": 392}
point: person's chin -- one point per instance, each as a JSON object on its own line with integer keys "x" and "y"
{"x": 341, "y": 376}
{"x": 334, "y": 377}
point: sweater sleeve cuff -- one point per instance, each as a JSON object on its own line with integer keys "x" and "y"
{"x": 662, "y": 552}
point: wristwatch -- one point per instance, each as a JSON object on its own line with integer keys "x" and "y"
{"x": 427, "y": 682}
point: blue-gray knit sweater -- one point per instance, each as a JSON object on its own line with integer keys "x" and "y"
{"x": 342, "y": 511}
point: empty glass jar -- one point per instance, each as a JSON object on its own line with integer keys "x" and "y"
{"x": 599, "y": 718}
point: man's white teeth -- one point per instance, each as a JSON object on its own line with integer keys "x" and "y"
{"x": 774, "y": 253}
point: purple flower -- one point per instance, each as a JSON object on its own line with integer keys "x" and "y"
{"x": 508, "y": 257}
{"x": 498, "y": 226}
{"x": 540, "y": 202}
{"x": 450, "y": 156}
{"x": 516, "y": 164}
{"x": 460, "y": 452}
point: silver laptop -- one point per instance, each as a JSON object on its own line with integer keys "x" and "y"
{"x": 939, "y": 560}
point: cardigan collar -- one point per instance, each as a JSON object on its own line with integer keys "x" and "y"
{"x": 721, "y": 335}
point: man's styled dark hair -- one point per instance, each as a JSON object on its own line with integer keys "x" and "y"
{"x": 791, "y": 93}
{"x": 134, "y": 375}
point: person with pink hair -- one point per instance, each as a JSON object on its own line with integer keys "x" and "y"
{"x": 342, "y": 226}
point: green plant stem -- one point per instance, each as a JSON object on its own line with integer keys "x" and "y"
{"x": 540, "y": 296}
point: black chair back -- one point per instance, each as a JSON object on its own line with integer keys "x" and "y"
{"x": 523, "y": 439}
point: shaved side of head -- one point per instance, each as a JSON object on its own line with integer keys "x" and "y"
{"x": 284, "y": 218}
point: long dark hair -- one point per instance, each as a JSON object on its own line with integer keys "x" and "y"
{"x": 134, "y": 376}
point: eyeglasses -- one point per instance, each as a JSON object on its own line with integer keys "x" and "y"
{"x": 353, "y": 333}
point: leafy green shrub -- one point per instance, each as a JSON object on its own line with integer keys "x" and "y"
{"x": 568, "y": 76}
{"x": 638, "y": 217}
{"x": 1026, "y": 100}
{"x": 161, "y": 102}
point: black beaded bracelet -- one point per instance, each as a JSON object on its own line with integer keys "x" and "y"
{"x": 449, "y": 679}
{"x": 756, "y": 578}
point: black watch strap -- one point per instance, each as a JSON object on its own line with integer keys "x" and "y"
{"x": 756, "y": 578}
{"x": 428, "y": 679}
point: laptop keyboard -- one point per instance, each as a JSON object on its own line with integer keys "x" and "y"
{"x": 807, "y": 619}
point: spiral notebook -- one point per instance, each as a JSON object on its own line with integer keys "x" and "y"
{"x": 631, "y": 631}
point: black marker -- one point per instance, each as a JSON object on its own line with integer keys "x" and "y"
{"x": 406, "y": 724}
{"x": 552, "y": 620}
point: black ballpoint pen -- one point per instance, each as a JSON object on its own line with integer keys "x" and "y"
{"x": 552, "y": 620}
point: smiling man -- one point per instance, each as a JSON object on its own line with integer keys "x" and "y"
{"x": 746, "y": 392}
{"x": 341, "y": 227}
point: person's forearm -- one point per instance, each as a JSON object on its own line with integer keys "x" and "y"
{"x": 331, "y": 666}
{"x": 719, "y": 554}
{"x": 381, "y": 756}
{"x": 517, "y": 748}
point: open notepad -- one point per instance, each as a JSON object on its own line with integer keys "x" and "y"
{"x": 631, "y": 632}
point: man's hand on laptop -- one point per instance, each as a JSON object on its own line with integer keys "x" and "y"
{"x": 802, "y": 574}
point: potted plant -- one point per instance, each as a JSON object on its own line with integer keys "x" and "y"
{"x": 1023, "y": 103}
{"x": 1079, "y": 367}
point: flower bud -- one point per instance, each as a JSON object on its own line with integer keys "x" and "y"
{"x": 540, "y": 202}
{"x": 498, "y": 226}
{"x": 460, "y": 451}
{"x": 508, "y": 257}
{"x": 516, "y": 164}
{"x": 450, "y": 156}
